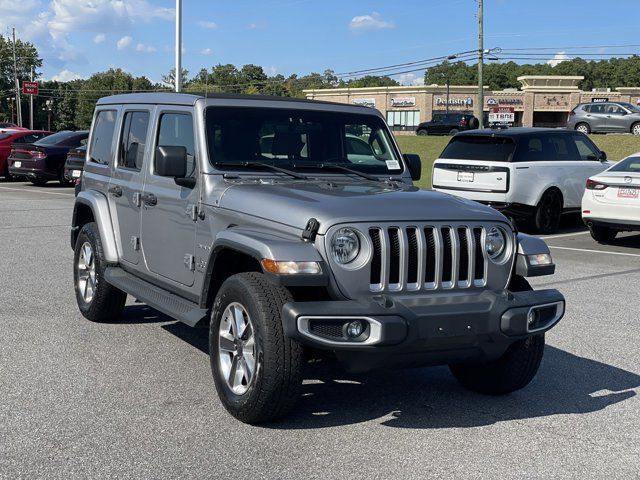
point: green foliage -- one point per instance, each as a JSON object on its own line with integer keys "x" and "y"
{"x": 27, "y": 57}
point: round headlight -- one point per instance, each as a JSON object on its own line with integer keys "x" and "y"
{"x": 345, "y": 245}
{"x": 495, "y": 243}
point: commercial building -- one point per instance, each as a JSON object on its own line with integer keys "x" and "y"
{"x": 541, "y": 101}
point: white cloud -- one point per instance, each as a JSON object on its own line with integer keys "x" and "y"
{"x": 124, "y": 42}
{"x": 99, "y": 38}
{"x": 271, "y": 70}
{"x": 558, "y": 58}
{"x": 369, "y": 22}
{"x": 411, "y": 79}
{"x": 141, "y": 47}
{"x": 252, "y": 26}
{"x": 206, "y": 51}
{"x": 208, "y": 25}
{"x": 65, "y": 76}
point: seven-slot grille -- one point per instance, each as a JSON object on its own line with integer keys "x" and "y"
{"x": 427, "y": 258}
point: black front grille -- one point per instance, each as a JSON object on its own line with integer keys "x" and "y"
{"x": 394, "y": 260}
{"x": 430, "y": 271}
{"x": 479, "y": 255}
{"x": 447, "y": 255}
{"x": 326, "y": 328}
{"x": 412, "y": 273}
{"x": 376, "y": 260}
{"x": 463, "y": 260}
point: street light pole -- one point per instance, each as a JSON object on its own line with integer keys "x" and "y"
{"x": 31, "y": 104}
{"x": 178, "y": 74}
{"x": 450, "y": 57}
{"x": 15, "y": 78}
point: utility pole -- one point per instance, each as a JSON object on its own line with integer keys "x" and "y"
{"x": 31, "y": 104}
{"x": 178, "y": 74}
{"x": 480, "y": 61}
{"x": 15, "y": 78}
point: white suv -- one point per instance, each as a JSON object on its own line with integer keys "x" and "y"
{"x": 527, "y": 173}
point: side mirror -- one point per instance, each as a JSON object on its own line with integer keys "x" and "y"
{"x": 171, "y": 161}
{"x": 414, "y": 164}
{"x": 603, "y": 156}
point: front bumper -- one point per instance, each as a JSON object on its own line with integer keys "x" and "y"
{"x": 425, "y": 330}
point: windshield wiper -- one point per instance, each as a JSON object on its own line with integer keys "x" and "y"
{"x": 335, "y": 166}
{"x": 261, "y": 165}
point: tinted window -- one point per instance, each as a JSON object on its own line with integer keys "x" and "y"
{"x": 586, "y": 108}
{"x": 4, "y": 136}
{"x": 546, "y": 148}
{"x": 133, "y": 140}
{"x": 586, "y": 150}
{"x": 60, "y": 138}
{"x": 613, "y": 109}
{"x": 631, "y": 165}
{"x": 30, "y": 138}
{"x": 630, "y": 107}
{"x": 176, "y": 129}
{"x": 476, "y": 147}
{"x": 597, "y": 108}
{"x": 103, "y": 129}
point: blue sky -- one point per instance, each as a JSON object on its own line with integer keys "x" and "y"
{"x": 79, "y": 37}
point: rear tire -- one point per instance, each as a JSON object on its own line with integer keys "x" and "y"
{"x": 548, "y": 212}
{"x": 63, "y": 181}
{"x": 422, "y": 132}
{"x": 583, "y": 128}
{"x": 602, "y": 234}
{"x": 635, "y": 128}
{"x": 273, "y": 386}
{"x": 98, "y": 300}
{"x": 512, "y": 371}
{"x": 38, "y": 182}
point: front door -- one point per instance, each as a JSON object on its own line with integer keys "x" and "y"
{"x": 127, "y": 181}
{"x": 616, "y": 118}
{"x": 168, "y": 209}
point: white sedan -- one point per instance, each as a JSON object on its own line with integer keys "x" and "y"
{"x": 611, "y": 200}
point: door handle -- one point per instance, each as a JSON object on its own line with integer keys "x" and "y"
{"x": 149, "y": 199}
{"x": 116, "y": 191}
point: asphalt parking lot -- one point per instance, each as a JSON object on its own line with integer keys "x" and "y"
{"x": 135, "y": 398}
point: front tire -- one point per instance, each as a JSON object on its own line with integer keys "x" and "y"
{"x": 97, "y": 300}
{"x": 453, "y": 132}
{"x": 38, "y": 182}
{"x": 635, "y": 128}
{"x": 513, "y": 371}
{"x": 602, "y": 234}
{"x": 548, "y": 212}
{"x": 256, "y": 369}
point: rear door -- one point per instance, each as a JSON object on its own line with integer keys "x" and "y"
{"x": 127, "y": 180}
{"x": 168, "y": 209}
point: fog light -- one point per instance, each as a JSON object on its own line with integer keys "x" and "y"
{"x": 532, "y": 318}
{"x": 355, "y": 329}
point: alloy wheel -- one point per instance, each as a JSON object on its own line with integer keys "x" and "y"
{"x": 236, "y": 348}
{"x": 583, "y": 129}
{"x": 86, "y": 272}
{"x": 636, "y": 129}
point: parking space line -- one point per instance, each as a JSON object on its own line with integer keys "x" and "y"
{"x": 38, "y": 191}
{"x": 596, "y": 251}
{"x": 565, "y": 235}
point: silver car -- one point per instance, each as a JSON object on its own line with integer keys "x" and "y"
{"x": 290, "y": 226}
{"x": 601, "y": 117}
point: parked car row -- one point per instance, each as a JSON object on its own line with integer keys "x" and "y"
{"x": 40, "y": 156}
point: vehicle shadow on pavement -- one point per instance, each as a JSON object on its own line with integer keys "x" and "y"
{"x": 141, "y": 313}
{"x": 431, "y": 398}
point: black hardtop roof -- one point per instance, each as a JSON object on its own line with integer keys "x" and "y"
{"x": 515, "y": 132}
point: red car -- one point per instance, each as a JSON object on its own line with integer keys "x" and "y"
{"x": 8, "y": 137}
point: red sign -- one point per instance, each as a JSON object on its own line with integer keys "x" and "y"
{"x": 30, "y": 88}
{"x": 502, "y": 115}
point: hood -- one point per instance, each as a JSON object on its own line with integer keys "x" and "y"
{"x": 293, "y": 203}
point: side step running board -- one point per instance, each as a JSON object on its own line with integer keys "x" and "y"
{"x": 168, "y": 303}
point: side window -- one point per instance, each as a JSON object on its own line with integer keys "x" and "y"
{"x": 564, "y": 147}
{"x": 586, "y": 150}
{"x": 103, "y": 129}
{"x": 615, "y": 110}
{"x": 133, "y": 140}
{"x": 176, "y": 130}
{"x": 597, "y": 108}
{"x": 586, "y": 108}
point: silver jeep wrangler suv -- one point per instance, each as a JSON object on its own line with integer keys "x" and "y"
{"x": 289, "y": 226}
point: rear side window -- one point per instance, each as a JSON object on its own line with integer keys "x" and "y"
{"x": 103, "y": 129}
{"x": 477, "y": 147}
{"x": 596, "y": 108}
{"x": 30, "y": 138}
{"x": 134, "y": 140}
{"x": 176, "y": 129}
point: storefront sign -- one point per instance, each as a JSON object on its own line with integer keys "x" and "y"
{"x": 493, "y": 101}
{"x": 599, "y": 100}
{"x": 403, "y": 102}
{"x": 454, "y": 102}
{"x": 364, "y": 102}
{"x": 502, "y": 115}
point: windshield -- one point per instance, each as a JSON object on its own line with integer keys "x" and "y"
{"x": 630, "y": 107}
{"x": 296, "y": 139}
{"x": 631, "y": 165}
{"x": 476, "y": 147}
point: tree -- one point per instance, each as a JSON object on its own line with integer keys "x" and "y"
{"x": 169, "y": 80}
{"x": 27, "y": 56}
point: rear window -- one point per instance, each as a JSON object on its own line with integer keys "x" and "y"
{"x": 57, "y": 138}
{"x": 631, "y": 165}
{"x": 4, "y": 136}
{"x": 476, "y": 147}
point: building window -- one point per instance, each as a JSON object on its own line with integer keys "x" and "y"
{"x": 403, "y": 119}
